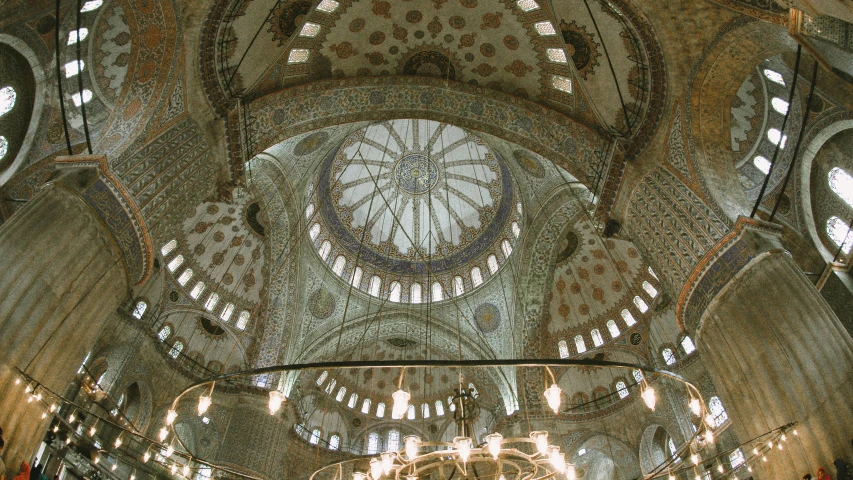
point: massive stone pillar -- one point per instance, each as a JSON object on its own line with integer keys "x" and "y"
{"x": 67, "y": 259}
{"x": 774, "y": 348}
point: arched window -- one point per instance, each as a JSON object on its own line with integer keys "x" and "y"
{"x": 416, "y": 293}
{"x": 652, "y": 291}
{"x": 365, "y": 406}
{"x": 774, "y": 76}
{"x": 341, "y": 394}
{"x": 325, "y": 249}
{"x": 139, "y": 311}
{"x": 410, "y": 412}
{"x": 718, "y": 411}
{"x": 315, "y": 436}
{"x": 175, "y": 263}
{"x": 641, "y": 304}
{"x": 425, "y": 410}
{"x": 91, "y": 5}
{"x": 652, "y": 273}
{"x": 185, "y": 276}
{"x": 622, "y": 389}
{"x": 330, "y": 387}
{"x": 73, "y": 68}
{"x": 380, "y": 410}
{"x": 840, "y": 233}
{"x": 164, "y": 333}
{"x": 197, "y": 289}
{"x": 476, "y": 276}
{"x": 339, "y": 265}
{"x": 762, "y": 164}
{"x": 309, "y": 210}
{"x": 437, "y": 294}
{"x": 395, "y": 292}
{"x": 668, "y": 356}
{"x": 518, "y": 207}
{"x": 167, "y": 248}
{"x": 629, "y": 319}
{"x": 77, "y": 35}
{"x": 516, "y": 230}
{"x": 375, "y": 286}
{"x": 458, "y": 286}
{"x": 580, "y": 344}
{"x": 687, "y": 345}
{"x": 243, "y": 320}
{"x": 322, "y": 378}
{"x": 638, "y": 376}
{"x": 672, "y": 448}
{"x": 353, "y": 399}
{"x": 373, "y": 443}
{"x": 736, "y": 458}
{"x": 212, "y": 300}
{"x": 8, "y": 96}
{"x": 79, "y": 100}
{"x": 334, "y": 442}
{"x": 613, "y": 328}
{"x": 597, "y": 340}
{"x": 227, "y": 312}
{"x": 176, "y": 350}
{"x": 439, "y": 408}
{"x": 779, "y": 105}
{"x": 393, "y": 440}
{"x": 355, "y": 281}
{"x": 776, "y": 138}
{"x": 4, "y": 146}
{"x": 506, "y": 247}
{"x": 563, "y": 347}
{"x": 492, "y": 262}
{"x": 315, "y": 231}
{"x": 842, "y": 184}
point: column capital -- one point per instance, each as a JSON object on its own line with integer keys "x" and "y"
{"x": 90, "y": 177}
{"x": 748, "y": 239}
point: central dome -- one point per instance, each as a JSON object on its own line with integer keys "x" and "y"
{"x": 414, "y": 197}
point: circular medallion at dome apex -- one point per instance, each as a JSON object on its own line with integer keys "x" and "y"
{"x": 425, "y": 197}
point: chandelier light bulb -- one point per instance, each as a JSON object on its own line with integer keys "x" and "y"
{"x": 276, "y": 399}
{"x": 71, "y": 418}
{"x": 376, "y": 468}
{"x": 17, "y": 381}
{"x": 695, "y": 406}
{"x": 784, "y": 438}
{"x": 55, "y": 428}
{"x": 749, "y": 469}
{"x": 552, "y": 396}
{"x": 570, "y": 472}
{"x": 174, "y": 469}
{"x": 43, "y": 415}
{"x": 779, "y": 446}
{"x": 68, "y": 441}
{"x": 53, "y": 409}
{"x": 671, "y": 477}
{"x": 770, "y": 444}
{"x": 764, "y": 458}
{"x": 118, "y": 442}
{"x": 502, "y": 477}
{"x": 541, "y": 440}
{"x": 359, "y": 476}
{"x": 92, "y": 431}
{"x": 97, "y": 459}
{"x": 463, "y": 446}
{"x": 709, "y": 436}
{"x": 146, "y": 457}
{"x": 171, "y": 415}
{"x": 558, "y": 459}
{"x": 755, "y": 451}
{"x": 186, "y": 470}
{"x": 204, "y": 402}
{"x": 31, "y": 398}
{"x": 413, "y": 444}
{"x": 163, "y": 434}
{"x": 720, "y": 468}
{"x": 114, "y": 467}
{"x": 411, "y": 476}
{"x": 38, "y": 397}
{"x": 401, "y": 403}
{"x": 649, "y": 397}
{"x": 387, "y": 462}
{"x": 695, "y": 459}
{"x": 169, "y": 451}
{"x": 494, "y": 441}
{"x": 28, "y": 389}
{"x": 698, "y": 477}
{"x": 132, "y": 477}
{"x": 795, "y": 433}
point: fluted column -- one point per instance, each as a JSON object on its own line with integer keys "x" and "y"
{"x": 64, "y": 269}
{"x": 779, "y": 353}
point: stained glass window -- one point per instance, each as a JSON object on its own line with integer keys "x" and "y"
{"x": 73, "y": 68}
{"x": 762, "y": 164}
{"x": 641, "y": 304}
{"x": 410, "y": 412}
{"x": 775, "y": 136}
{"x": 380, "y": 410}
{"x": 622, "y": 389}
{"x": 492, "y": 262}
{"x": 365, "y": 406}
{"x": 506, "y": 247}
{"x": 564, "y": 84}
{"x": 557, "y": 55}
{"x": 243, "y": 320}
{"x": 652, "y": 273}
{"x": 298, "y": 55}
{"x": 668, "y": 356}
{"x": 395, "y": 292}
{"x": 8, "y": 97}
{"x": 339, "y": 265}
{"x": 439, "y": 408}
{"x": 315, "y": 231}
{"x": 197, "y": 289}
{"x": 356, "y": 277}
{"x": 330, "y": 387}
{"x": 718, "y": 411}
{"x": 334, "y": 442}
{"x": 328, "y": 6}
{"x": 425, "y": 410}
{"x": 309, "y": 30}
{"x": 322, "y": 378}
{"x": 167, "y": 248}
{"x": 458, "y": 286}
{"x": 628, "y": 317}
{"x": 353, "y": 399}
{"x": 544, "y": 28}
{"x": 840, "y": 233}
{"x": 651, "y": 290}
{"x": 139, "y": 311}
{"x": 212, "y": 300}
{"x": 842, "y": 184}
{"x": 476, "y": 276}
{"x": 774, "y": 76}
{"x": 638, "y": 376}
{"x": 527, "y": 5}
{"x": 613, "y": 328}
{"x": 91, "y": 5}
{"x": 597, "y": 339}
{"x": 437, "y": 294}
{"x": 73, "y": 36}
{"x": 325, "y": 249}
{"x": 516, "y": 230}
{"x": 687, "y": 345}
{"x": 779, "y": 105}
{"x": 341, "y": 394}
{"x": 227, "y": 312}
{"x": 672, "y": 448}
{"x": 80, "y": 100}
{"x": 416, "y": 293}
{"x": 164, "y": 334}
{"x": 373, "y": 443}
{"x": 736, "y": 458}
{"x": 580, "y": 344}
{"x": 185, "y": 276}
{"x": 375, "y": 286}
{"x": 563, "y": 347}
{"x": 176, "y": 350}
{"x": 175, "y": 263}
{"x": 315, "y": 436}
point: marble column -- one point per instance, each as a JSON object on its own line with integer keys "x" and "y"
{"x": 65, "y": 267}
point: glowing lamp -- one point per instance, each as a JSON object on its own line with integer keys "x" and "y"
{"x": 570, "y": 472}
{"x": 376, "y": 468}
{"x": 53, "y": 408}
{"x": 649, "y": 397}
{"x": 494, "y": 441}
{"x": 709, "y": 436}
{"x": 146, "y": 457}
{"x": 720, "y": 468}
{"x": 359, "y": 476}
{"x": 163, "y": 434}
{"x": 132, "y": 477}
{"x": 557, "y": 458}
{"x": 387, "y": 462}
{"x": 764, "y": 458}
{"x": 463, "y": 446}
{"x": 502, "y": 477}
{"x": 44, "y": 415}
{"x": 276, "y": 399}
{"x": 28, "y": 389}
{"x": 552, "y": 396}
{"x": 671, "y": 477}
{"x": 71, "y": 418}
{"x": 169, "y": 451}
{"x": 541, "y": 440}
{"x": 92, "y": 432}
{"x": 174, "y": 469}
{"x": 784, "y": 438}
{"x": 97, "y": 459}
{"x": 695, "y": 406}
{"x": 114, "y": 467}
{"x": 204, "y": 402}
{"x": 68, "y": 441}
{"x": 186, "y": 470}
{"x": 171, "y": 415}
{"x": 695, "y": 459}
{"x": 401, "y": 403}
{"x": 118, "y": 442}
{"x": 413, "y": 444}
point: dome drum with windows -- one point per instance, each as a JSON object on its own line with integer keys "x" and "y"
{"x": 403, "y": 200}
